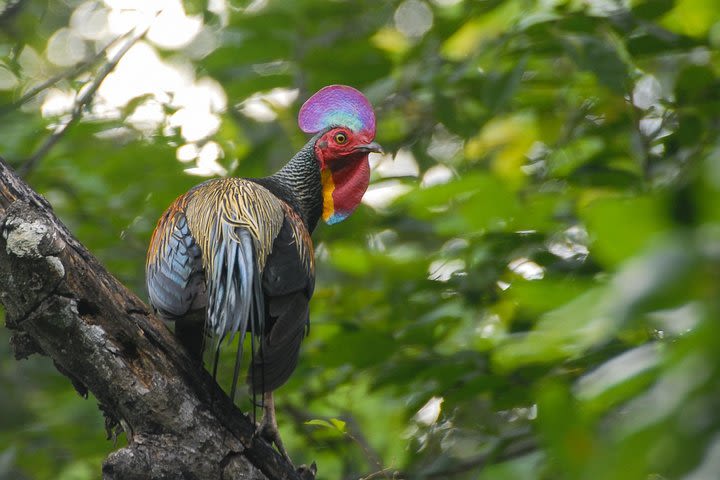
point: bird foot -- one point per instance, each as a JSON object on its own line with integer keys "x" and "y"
{"x": 268, "y": 431}
{"x": 307, "y": 473}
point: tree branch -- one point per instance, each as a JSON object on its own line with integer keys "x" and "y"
{"x": 60, "y": 301}
{"x": 80, "y": 103}
{"x": 69, "y": 73}
{"x": 506, "y": 450}
{"x": 353, "y": 433}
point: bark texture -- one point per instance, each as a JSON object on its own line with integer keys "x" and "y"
{"x": 62, "y": 303}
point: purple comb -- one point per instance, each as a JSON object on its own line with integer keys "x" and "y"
{"x": 337, "y": 105}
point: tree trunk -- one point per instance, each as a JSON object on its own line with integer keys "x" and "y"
{"x": 62, "y": 303}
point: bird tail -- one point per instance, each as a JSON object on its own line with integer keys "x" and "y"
{"x": 235, "y": 303}
{"x": 279, "y": 351}
{"x": 191, "y": 333}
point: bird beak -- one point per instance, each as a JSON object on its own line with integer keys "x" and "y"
{"x": 370, "y": 147}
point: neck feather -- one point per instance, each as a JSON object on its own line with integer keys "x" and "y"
{"x": 298, "y": 183}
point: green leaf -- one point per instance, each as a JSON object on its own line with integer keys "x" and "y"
{"x": 338, "y": 424}
{"x": 563, "y": 161}
{"x": 320, "y": 423}
{"x": 621, "y": 227}
{"x": 600, "y": 56}
{"x": 332, "y": 424}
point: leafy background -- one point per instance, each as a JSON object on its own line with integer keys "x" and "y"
{"x": 531, "y": 290}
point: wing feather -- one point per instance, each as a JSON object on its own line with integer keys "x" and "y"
{"x": 174, "y": 274}
{"x": 288, "y": 283}
{"x": 238, "y": 220}
{"x": 255, "y": 255}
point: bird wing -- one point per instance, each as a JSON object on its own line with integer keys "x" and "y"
{"x": 248, "y": 236}
{"x": 234, "y": 222}
{"x": 175, "y": 280}
{"x": 288, "y": 283}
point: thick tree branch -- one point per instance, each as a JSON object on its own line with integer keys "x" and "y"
{"x": 60, "y": 301}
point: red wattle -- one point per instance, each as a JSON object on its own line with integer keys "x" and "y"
{"x": 351, "y": 181}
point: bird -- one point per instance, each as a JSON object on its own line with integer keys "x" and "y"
{"x": 234, "y": 255}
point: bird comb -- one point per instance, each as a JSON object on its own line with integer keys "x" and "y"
{"x": 340, "y": 106}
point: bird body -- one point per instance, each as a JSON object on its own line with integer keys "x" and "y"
{"x": 234, "y": 255}
{"x": 249, "y": 231}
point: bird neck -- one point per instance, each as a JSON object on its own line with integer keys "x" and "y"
{"x": 299, "y": 184}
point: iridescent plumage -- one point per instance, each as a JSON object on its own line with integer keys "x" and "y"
{"x": 337, "y": 105}
{"x": 239, "y": 223}
{"x": 234, "y": 255}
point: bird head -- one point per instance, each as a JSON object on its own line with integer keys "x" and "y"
{"x": 345, "y": 123}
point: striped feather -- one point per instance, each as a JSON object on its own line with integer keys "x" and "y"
{"x": 237, "y": 220}
{"x": 223, "y": 234}
{"x": 174, "y": 266}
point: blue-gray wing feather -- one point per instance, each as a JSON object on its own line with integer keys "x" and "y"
{"x": 174, "y": 271}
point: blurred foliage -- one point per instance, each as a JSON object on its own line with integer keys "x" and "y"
{"x": 532, "y": 290}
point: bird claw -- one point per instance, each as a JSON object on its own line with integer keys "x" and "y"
{"x": 268, "y": 431}
{"x": 307, "y": 473}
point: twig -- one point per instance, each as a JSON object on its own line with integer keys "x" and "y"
{"x": 358, "y": 437}
{"x": 384, "y": 472}
{"x": 69, "y": 73}
{"x": 505, "y": 450}
{"x": 10, "y": 10}
{"x": 82, "y": 101}
{"x": 352, "y": 432}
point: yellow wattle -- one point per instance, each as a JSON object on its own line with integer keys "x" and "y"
{"x": 328, "y": 187}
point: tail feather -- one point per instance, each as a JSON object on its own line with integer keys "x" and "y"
{"x": 279, "y": 351}
{"x": 190, "y": 332}
{"x": 234, "y": 288}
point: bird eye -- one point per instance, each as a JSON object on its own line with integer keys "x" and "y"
{"x": 340, "y": 138}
